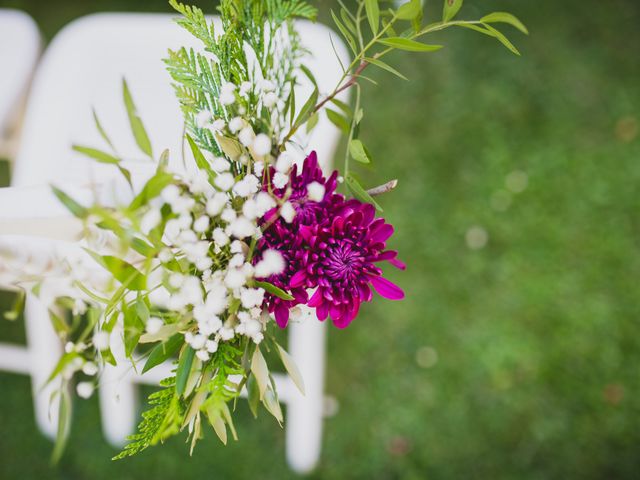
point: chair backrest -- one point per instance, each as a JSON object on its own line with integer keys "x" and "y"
{"x": 19, "y": 50}
{"x": 83, "y": 68}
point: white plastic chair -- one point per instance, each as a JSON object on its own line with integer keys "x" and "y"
{"x": 84, "y": 67}
{"x": 20, "y": 45}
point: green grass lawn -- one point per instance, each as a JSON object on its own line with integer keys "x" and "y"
{"x": 517, "y": 360}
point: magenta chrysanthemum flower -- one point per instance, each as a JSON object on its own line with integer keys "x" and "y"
{"x": 331, "y": 245}
{"x": 308, "y": 211}
{"x": 340, "y": 261}
{"x": 277, "y": 237}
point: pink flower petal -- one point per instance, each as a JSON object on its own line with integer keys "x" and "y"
{"x": 298, "y": 279}
{"x": 387, "y": 289}
{"x": 282, "y": 315}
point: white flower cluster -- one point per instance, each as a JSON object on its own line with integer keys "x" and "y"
{"x": 211, "y": 228}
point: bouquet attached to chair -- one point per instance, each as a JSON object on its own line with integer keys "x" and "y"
{"x": 198, "y": 266}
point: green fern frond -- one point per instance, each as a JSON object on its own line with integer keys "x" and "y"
{"x": 158, "y": 423}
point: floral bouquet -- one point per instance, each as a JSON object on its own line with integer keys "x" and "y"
{"x": 198, "y": 267}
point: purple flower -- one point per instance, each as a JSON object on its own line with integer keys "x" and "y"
{"x": 331, "y": 245}
{"x": 309, "y": 212}
{"x": 340, "y": 258}
{"x": 278, "y": 237}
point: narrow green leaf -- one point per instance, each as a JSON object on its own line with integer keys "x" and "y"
{"x": 253, "y": 393}
{"x": 151, "y": 190}
{"x": 309, "y": 74}
{"x": 450, "y": 10}
{"x": 184, "y": 368}
{"x": 409, "y": 10}
{"x": 504, "y": 17}
{"x": 291, "y": 368}
{"x": 307, "y": 108}
{"x": 64, "y": 424}
{"x": 101, "y": 130}
{"x": 198, "y": 156}
{"x": 344, "y": 15}
{"x": 122, "y": 271}
{"x": 346, "y": 109}
{"x": 272, "y": 405}
{"x": 17, "y": 307}
{"x": 137, "y": 127}
{"x": 345, "y": 33}
{"x": 502, "y": 39}
{"x": 384, "y": 66}
{"x": 312, "y": 122}
{"x": 373, "y": 14}
{"x": 74, "y": 207}
{"x": 260, "y": 370}
{"x": 408, "y": 45}
{"x": 360, "y": 193}
{"x": 338, "y": 120}
{"x": 163, "y": 161}
{"x": 133, "y": 328}
{"x": 226, "y": 414}
{"x": 273, "y": 290}
{"x": 163, "y": 352}
{"x": 359, "y": 152}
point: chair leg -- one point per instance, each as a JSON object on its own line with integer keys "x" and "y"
{"x": 304, "y": 413}
{"x": 118, "y": 397}
{"x": 45, "y": 349}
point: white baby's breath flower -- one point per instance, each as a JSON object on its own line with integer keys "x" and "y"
{"x": 198, "y": 341}
{"x": 250, "y": 209}
{"x": 269, "y": 100}
{"x": 226, "y": 334}
{"x": 203, "y": 263}
{"x": 247, "y": 186}
{"x": 220, "y": 238}
{"x": 90, "y": 368}
{"x": 154, "y": 324}
{"x": 228, "y": 215}
{"x": 216, "y": 203}
{"x": 211, "y": 346}
{"x": 258, "y": 168}
{"x": 280, "y": 180}
{"x": 251, "y": 297}
{"x": 101, "y": 341}
{"x": 224, "y": 181}
{"x": 218, "y": 125}
{"x": 220, "y": 164}
{"x": 264, "y": 202}
{"x": 235, "y": 278}
{"x": 201, "y": 224}
{"x": 316, "y": 191}
{"x": 176, "y": 280}
{"x": 236, "y": 261}
{"x": 267, "y": 86}
{"x": 170, "y": 193}
{"x": 246, "y": 136}
{"x": 287, "y": 212}
{"x": 241, "y": 227}
{"x": 228, "y": 87}
{"x": 262, "y": 144}
{"x": 203, "y": 355}
{"x": 236, "y": 124}
{"x": 203, "y": 118}
{"x": 227, "y": 98}
{"x": 237, "y": 247}
{"x": 284, "y": 162}
{"x": 272, "y": 263}
{"x": 85, "y": 389}
{"x": 245, "y": 88}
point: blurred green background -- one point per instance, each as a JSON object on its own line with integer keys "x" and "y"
{"x": 516, "y": 354}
